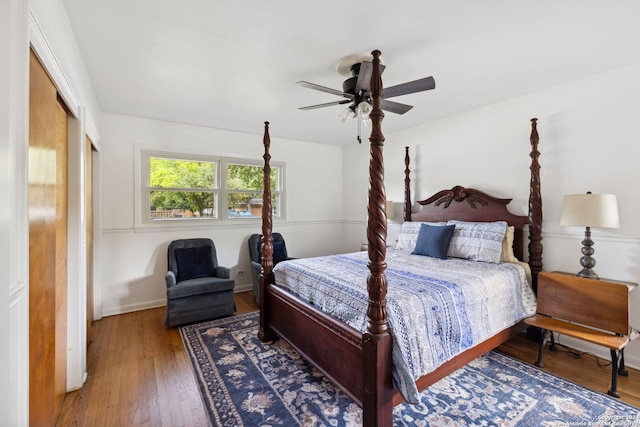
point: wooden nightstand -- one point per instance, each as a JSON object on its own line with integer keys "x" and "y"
{"x": 596, "y": 311}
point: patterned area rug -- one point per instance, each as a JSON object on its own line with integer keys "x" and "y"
{"x": 245, "y": 382}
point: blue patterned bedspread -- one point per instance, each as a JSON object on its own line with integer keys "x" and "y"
{"x": 436, "y": 308}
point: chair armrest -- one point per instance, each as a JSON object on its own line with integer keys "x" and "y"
{"x": 256, "y": 266}
{"x": 170, "y": 278}
{"x": 223, "y": 272}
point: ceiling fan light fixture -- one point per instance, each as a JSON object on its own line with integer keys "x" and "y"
{"x": 348, "y": 114}
{"x": 364, "y": 109}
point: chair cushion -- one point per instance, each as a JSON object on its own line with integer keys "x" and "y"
{"x": 202, "y": 285}
{"x": 279, "y": 252}
{"x": 194, "y": 263}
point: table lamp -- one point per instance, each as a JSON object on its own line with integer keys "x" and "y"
{"x": 589, "y": 210}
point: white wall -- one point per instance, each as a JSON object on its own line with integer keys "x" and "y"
{"x": 134, "y": 258}
{"x": 588, "y": 142}
{"x": 14, "y": 334}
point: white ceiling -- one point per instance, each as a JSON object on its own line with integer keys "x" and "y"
{"x": 234, "y": 64}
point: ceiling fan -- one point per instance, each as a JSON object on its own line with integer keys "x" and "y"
{"x": 356, "y": 89}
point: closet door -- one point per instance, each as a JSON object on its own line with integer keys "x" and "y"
{"x": 47, "y": 199}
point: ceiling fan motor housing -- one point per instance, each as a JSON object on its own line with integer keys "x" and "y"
{"x": 349, "y": 85}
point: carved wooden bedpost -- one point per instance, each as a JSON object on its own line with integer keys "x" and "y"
{"x": 378, "y": 386}
{"x": 407, "y": 186}
{"x": 377, "y": 217}
{"x": 535, "y": 208}
{"x": 266, "y": 273}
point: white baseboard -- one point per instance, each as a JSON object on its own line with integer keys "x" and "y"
{"x": 122, "y": 309}
{"x": 244, "y": 288}
{"x": 146, "y": 305}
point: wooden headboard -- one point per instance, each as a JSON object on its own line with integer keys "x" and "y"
{"x": 468, "y": 204}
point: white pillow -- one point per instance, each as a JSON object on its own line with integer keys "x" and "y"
{"x": 408, "y": 236}
{"x": 477, "y": 241}
{"x": 507, "y": 246}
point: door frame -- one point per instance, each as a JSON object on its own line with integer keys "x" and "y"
{"x": 80, "y": 127}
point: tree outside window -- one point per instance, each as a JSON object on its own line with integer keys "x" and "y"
{"x": 244, "y": 184}
{"x": 181, "y": 188}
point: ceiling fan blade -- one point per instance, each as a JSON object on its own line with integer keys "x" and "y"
{"x": 395, "y": 107}
{"x": 419, "y": 85}
{"x": 364, "y": 76}
{"x": 324, "y": 89}
{"x": 327, "y": 104}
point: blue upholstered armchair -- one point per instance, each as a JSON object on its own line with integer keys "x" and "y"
{"x": 197, "y": 287}
{"x": 255, "y": 255}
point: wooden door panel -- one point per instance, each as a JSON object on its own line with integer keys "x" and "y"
{"x": 60, "y": 131}
{"x": 47, "y": 211}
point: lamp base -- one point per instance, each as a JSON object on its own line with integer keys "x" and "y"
{"x": 588, "y": 274}
{"x": 587, "y": 261}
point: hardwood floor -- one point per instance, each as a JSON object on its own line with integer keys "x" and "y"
{"x": 139, "y": 374}
{"x": 584, "y": 369}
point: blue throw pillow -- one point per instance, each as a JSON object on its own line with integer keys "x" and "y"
{"x": 279, "y": 252}
{"x": 433, "y": 240}
{"x": 194, "y": 263}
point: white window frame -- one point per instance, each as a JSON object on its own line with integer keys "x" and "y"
{"x": 277, "y": 210}
{"x": 143, "y": 189}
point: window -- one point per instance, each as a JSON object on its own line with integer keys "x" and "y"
{"x": 180, "y": 188}
{"x": 243, "y": 184}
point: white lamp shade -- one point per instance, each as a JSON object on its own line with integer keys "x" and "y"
{"x": 590, "y": 210}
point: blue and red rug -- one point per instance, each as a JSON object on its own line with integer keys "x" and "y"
{"x": 245, "y": 382}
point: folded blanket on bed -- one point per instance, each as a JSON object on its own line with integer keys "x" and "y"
{"x": 436, "y": 308}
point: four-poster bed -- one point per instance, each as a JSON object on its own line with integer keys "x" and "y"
{"x": 360, "y": 360}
